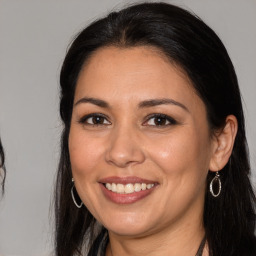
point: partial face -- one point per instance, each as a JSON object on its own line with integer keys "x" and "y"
{"x": 139, "y": 142}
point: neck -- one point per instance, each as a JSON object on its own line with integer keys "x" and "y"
{"x": 182, "y": 241}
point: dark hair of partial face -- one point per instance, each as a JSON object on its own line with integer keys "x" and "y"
{"x": 2, "y": 170}
{"x": 229, "y": 219}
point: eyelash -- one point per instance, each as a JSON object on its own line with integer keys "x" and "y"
{"x": 84, "y": 119}
{"x": 160, "y": 117}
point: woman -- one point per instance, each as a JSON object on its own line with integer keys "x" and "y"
{"x": 2, "y": 168}
{"x": 154, "y": 157}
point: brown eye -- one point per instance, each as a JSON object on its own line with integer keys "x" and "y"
{"x": 94, "y": 119}
{"x": 97, "y": 120}
{"x": 160, "y": 120}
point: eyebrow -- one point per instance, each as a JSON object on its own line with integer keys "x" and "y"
{"x": 164, "y": 101}
{"x": 97, "y": 102}
{"x": 143, "y": 104}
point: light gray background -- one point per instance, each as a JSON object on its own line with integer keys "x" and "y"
{"x": 34, "y": 35}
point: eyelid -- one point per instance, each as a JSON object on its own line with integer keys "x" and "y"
{"x": 170, "y": 119}
{"x": 83, "y": 119}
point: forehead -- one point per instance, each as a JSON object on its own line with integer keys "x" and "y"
{"x": 141, "y": 72}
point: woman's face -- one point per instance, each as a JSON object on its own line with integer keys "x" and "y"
{"x": 139, "y": 142}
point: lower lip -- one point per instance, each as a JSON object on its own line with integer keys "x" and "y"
{"x": 125, "y": 198}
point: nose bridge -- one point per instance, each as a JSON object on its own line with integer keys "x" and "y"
{"x": 124, "y": 146}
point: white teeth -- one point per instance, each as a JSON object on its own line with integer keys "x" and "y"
{"x": 128, "y": 188}
{"x": 120, "y": 188}
{"x": 113, "y": 187}
{"x": 149, "y": 186}
{"x": 137, "y": 187}
{"x": 109, "y": 186}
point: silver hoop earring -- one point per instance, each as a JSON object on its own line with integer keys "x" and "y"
{"x": 73, "y": 197}
{"x": 215, "y": 179}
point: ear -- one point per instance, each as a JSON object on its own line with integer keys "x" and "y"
{"x": 223, "y": 142}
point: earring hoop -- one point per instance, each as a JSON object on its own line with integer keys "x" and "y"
{"x": 215, "y": 179}
{"x": 73, "y": 197}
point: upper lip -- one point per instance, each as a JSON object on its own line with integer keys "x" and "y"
{"x": 126, "y": 180}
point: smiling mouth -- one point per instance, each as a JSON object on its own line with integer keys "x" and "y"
{"x": 128, "y": 188}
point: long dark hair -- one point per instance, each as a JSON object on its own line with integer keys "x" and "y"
{"x": 229, "y": 219}
{"x": 3, "y": 171}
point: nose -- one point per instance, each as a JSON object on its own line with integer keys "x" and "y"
{"x": 124, "y": 148}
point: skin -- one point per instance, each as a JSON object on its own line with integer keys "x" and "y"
{"x": 127, "y": 142}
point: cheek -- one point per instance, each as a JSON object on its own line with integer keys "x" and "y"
{"x": 84, "y": 153}
{"x": 181, "y": 152}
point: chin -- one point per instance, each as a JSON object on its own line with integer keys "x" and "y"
{"x": 127, "y": 231}
{"x": 129, "y": 227}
